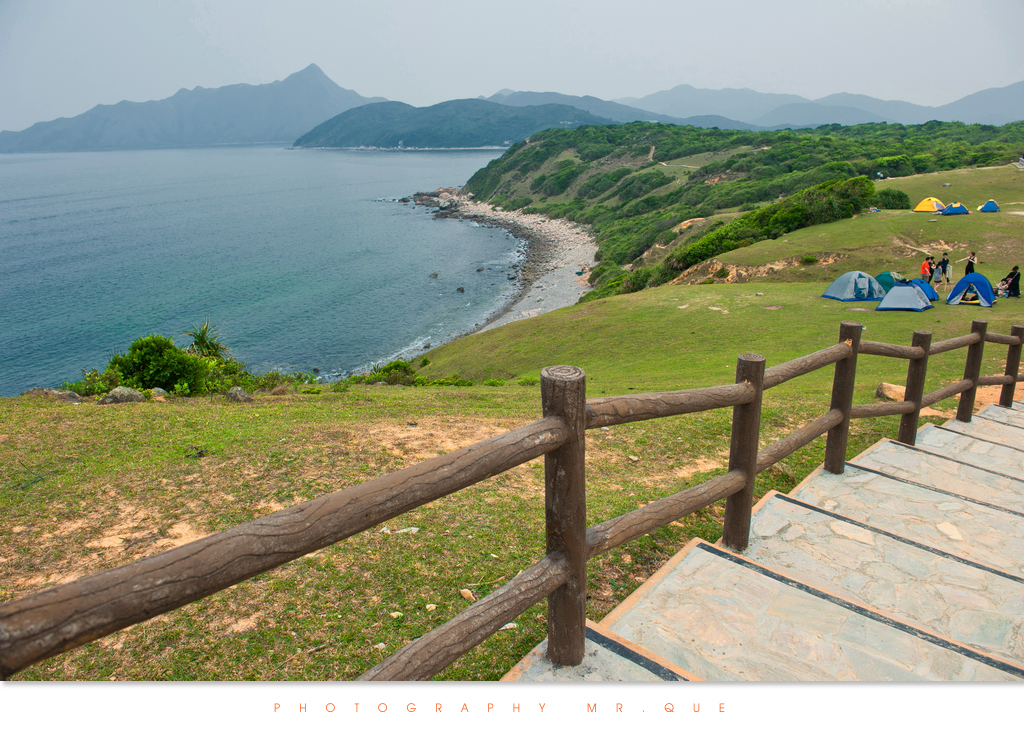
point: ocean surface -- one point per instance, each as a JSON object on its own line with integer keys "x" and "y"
{"x": 303, "y": 259}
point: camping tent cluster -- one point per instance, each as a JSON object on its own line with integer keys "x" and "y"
{"x": 931, "y": 204}
{"x": 894, "y": 293}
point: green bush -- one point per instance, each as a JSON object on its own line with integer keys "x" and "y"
{"x": 156, "y": 362}
{"x": 94, "y": 383}
{"x": 891, "y": 199}
{"x": 494, "y": 382}
{"x": 527, "y": 381}
{"x": 808, "y": 260}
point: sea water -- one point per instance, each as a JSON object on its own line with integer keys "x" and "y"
{"x": 304, "y": 259}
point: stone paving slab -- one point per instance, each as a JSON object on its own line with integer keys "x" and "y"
{"x": 1014, "y": 416}
{"x": 607, "y": 657}
{"x": 726, "y": 619}
{"x": 987, "y": 535}
{"x": 998, "y": 457}
{"x": 990, "y": 430}
{"x": 925, "y": 467}
{"x": 941, "y": 593}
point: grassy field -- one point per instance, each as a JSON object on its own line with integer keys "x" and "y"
{"x": 87, "y": 487}
{"x": 895, "y": 240}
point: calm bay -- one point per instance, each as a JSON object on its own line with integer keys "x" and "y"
{"x": 303, "y": 259}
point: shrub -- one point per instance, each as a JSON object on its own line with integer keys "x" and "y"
{"x": 891, "y": 199}
{"x": 526, "y": 381}
{"x": 518, "y": 203}
{"x": 206, "y": 343}
{"x": 156, "y": 362}
{"x": 808, "y": 260}
{"x": 94, "y": 383}
{"x": 494, "y": 382}
{"x": 722, "y": 273}
{"x": 454, "y": 380}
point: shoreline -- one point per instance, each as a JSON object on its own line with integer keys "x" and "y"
{"x": 559, "y": 255}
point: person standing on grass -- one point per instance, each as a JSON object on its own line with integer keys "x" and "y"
{"x": 926, "y": 269}
{"x": 972, "y": 261}
{"x": 943, "y": 270}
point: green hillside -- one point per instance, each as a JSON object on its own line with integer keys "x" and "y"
{"x": 453, "y": 124}
{"x": 637, "y": 185}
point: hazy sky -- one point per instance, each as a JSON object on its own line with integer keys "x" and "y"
{"x": 61, "y": 57}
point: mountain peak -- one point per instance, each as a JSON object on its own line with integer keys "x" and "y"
{"x": 312, "y": 71}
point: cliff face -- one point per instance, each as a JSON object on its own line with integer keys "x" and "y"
{"x": 238, "y": 113}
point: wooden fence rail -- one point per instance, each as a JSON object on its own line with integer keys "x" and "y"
{"x": 46, "y": 623}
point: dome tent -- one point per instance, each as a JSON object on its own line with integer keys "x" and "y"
{"x": 955, "y": 208}
{"x": 927, "y": 289}
{"x": 989, "y": 206}
{"x": 929, "y": 204}
{"x": 972, "y": 289}
{"x": 904, "y": 297}
{"x": 855, "y": 286}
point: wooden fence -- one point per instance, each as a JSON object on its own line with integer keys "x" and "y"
{"x": 44, "y": 624}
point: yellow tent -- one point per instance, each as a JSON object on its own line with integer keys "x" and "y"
{"x": 929, "y": 204}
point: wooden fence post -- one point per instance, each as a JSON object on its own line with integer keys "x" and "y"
{"x": 746, "y": 431}
{"x": 843, "y": 381}
{"x": 564, "y": 393}
{"x": 1012, "y": 368}
{"x": 917, "y": 372}
{"x": 972, "y": 370}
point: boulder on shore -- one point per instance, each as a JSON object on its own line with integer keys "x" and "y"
{"x": 122, "y": 395}
{"x": 239, "y": 394}
{"x": 54, "y": 393}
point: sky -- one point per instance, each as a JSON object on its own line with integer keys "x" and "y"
{"x": 58, "y": 58}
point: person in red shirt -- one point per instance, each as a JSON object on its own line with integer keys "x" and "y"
{"x": 927, "y": 267}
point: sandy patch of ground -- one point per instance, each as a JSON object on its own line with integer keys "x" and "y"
{"x": 741, "y": 274}
{"x": 430, "y": 437}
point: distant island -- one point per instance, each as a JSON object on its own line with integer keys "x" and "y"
{"x": 453, "y": 124}
{"x": 237, "y": 114}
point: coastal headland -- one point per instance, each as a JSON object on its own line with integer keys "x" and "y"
{"x": 560, "y": 254}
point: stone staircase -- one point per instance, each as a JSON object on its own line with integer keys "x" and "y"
{"x": 909, "y": 567}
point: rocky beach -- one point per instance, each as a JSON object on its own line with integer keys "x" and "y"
{"x": 560, "y": 254}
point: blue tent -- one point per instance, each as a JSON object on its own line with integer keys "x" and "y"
{"x": 927, "y": 289}
{"x": 855, "y": 286}
{"x": 989, "y": 206}
{"x": 972, "y": 289}
{"x": 955, "y": 208}
{"x": 905, "y": 297}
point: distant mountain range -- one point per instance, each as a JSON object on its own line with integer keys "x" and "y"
{"x": 452, "y": 124}
{"x": 996, "y": 106}
{"x": 294, "y": 109}
{"x": 239, "y": 113}
{"x": 614, "y": 111}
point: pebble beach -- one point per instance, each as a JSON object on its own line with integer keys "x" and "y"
{"x": 560, "y": 254}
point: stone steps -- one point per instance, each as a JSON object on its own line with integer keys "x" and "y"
{"x": 958, "y": 599}
{"x": 1002, "y": 457}
{"x": 909, "y": 566}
